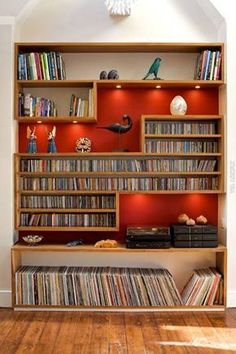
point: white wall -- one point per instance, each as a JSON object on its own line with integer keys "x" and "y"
{"x": 6, "y": 164}
{"x": 88, "y": 20}
{"x": 229, "y": 14}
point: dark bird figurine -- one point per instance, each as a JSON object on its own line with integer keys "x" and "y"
{"x": 154, "y": 69}
{"x": 120, "y": 128}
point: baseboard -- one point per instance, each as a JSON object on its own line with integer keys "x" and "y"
{"x": 231, "y": 298}
{"x": 5, "y": 298}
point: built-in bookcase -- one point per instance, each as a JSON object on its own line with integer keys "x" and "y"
{"x": 174, "y": 155}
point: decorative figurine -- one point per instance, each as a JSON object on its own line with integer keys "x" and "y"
{"x": 178, "y": 106}
{"x": 201, "y": 220}
{"x": 154, "y": 69}
{"x": 113, "y": 75}
{"x": 51, "y": 141}
{"x": 190, "y": 222}
{"x": 120, "y": 128}
{"x": 182, "y": 218}
{"x": 83, "y": 145}
{"x": 103, "y": 75}
{"x": 32, "y": 145}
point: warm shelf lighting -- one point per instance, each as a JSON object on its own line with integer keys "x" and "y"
{"x": 39, "y": 121}
{"x": 158, "y": 86}
{"x": 197, "y": 87}
{"x": 118, "y": 86}
{"x": 75, "y": 121}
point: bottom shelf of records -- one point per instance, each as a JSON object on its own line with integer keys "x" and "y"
{"x": 111, "y": 288}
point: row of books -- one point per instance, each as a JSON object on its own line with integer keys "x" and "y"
{"x": 95, "y": 286}
{"x": 118, "y": 165}
{"x": 41, "y": 66}
{"x": 208, "y": 65}
{"x": 68, "y": 220}
{"x": 118, "y": 184}
{"x": 31, "y": 106}
{"x": 68, "y": 201}
{"x": 81, "y": 107}
{"x": 202, "y": 288}
{"x": 183, "y": 146}
{"x": 179, "y": 128}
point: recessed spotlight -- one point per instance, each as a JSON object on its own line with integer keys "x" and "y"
{"x": 118, "y": 86}
{"x": 39, "y": 121}
{"x": 75, "y": 121}
{"x": 197, "y": 87}
{"x": 158, "y": 86}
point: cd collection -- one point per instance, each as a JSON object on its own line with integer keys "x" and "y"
{"x": 118, "y": 184}
{"x": 68, "y": 220}
{"x": 68, "y": 201}
{"x": 179, "y": 128}
{"x": 128, "y": 165}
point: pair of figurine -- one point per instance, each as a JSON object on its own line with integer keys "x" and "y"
{"x": 32, "y": 141}
{"x": 112, "y": 75}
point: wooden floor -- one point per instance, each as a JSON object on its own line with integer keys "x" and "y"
{"x": 131, "y": 333}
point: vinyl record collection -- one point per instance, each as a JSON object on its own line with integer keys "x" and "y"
{"x": 95, "y": 286}
{"x": 203, "y": 288}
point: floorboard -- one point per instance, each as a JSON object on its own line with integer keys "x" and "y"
{"x": 117, "y": 333}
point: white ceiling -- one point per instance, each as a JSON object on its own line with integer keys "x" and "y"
{"x": 12, "y": 7}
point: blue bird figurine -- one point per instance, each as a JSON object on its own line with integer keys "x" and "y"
{"x": 154, "y": 69}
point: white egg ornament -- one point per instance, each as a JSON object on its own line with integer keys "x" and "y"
{"x": 178, "y": 106}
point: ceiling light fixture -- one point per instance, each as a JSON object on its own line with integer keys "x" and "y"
{"x": 119, "y": 7}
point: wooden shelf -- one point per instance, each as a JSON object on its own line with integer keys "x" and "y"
{"x": 117, "y": 47}
{"x": 124, "y": 83}
{"x": 64, "y": 192}
{"x": 55, "y": 83}
{"x": 58, "y": 192}
{"x": 76, "y": 211}
{"x": 182, "y": 136}
{"x": 163, "y": 83}
{"x": 67, "y": 228}
{"x": 20, "y": 247}
{"x": 219, "y": 253}
{"x": 125, "y": 155}
{"x": 122, "y": 174}
{"x": 175, "y": 118}
{"x": 65, "y": 119}
{"x": 125, "y": 308}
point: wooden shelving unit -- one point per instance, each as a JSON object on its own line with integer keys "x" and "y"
{"x": 19, "y": 249}
{"x": 81, "y": 83}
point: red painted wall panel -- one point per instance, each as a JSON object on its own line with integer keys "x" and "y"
{"x": 112, "y": 104}
{"x": 134, "y": 209}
